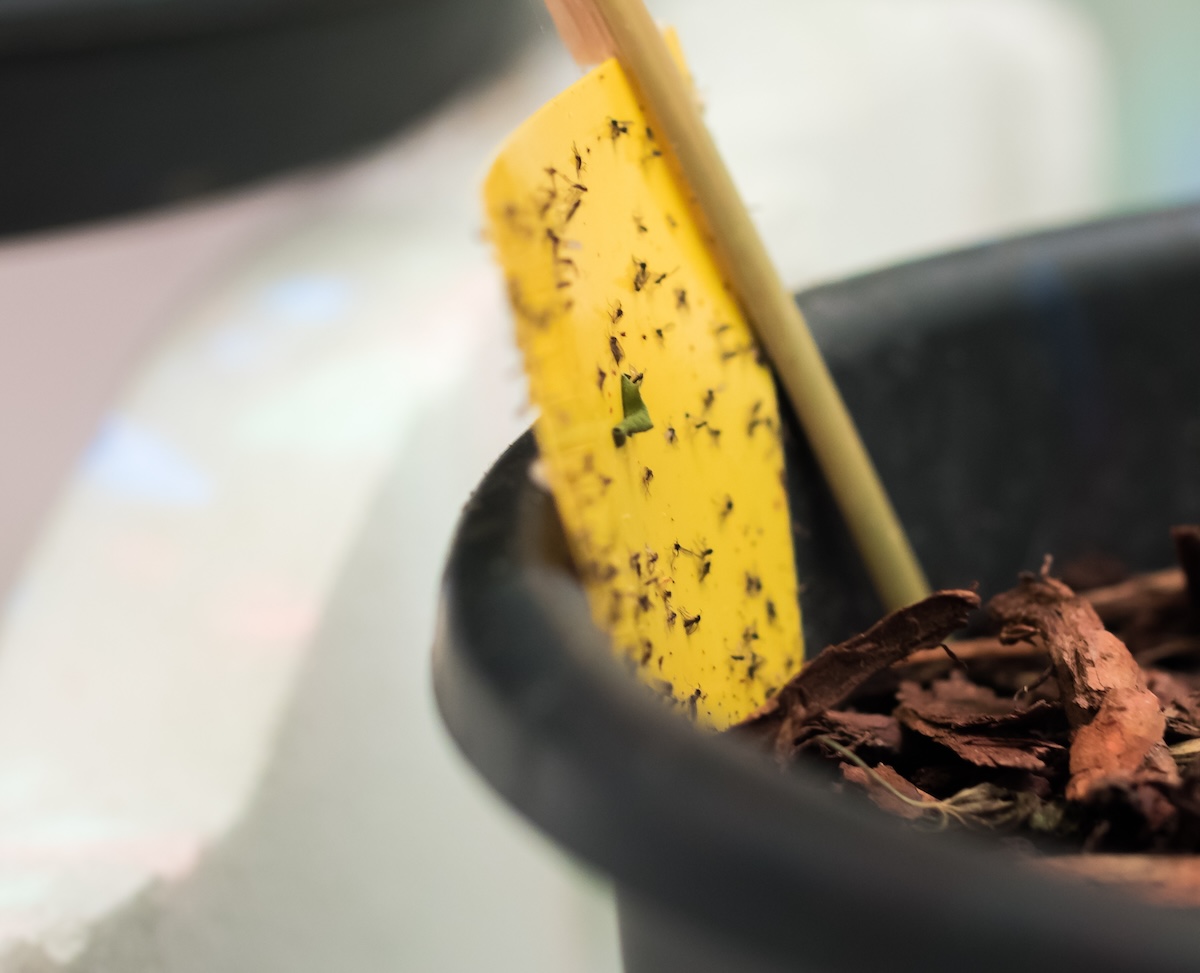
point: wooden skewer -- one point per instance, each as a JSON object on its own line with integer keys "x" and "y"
{"x": 594, "y": 30}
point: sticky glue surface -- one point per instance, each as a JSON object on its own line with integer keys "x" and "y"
{"x": 677, "y": 518}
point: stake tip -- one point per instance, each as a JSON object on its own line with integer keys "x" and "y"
{"x": 583, "y": 30}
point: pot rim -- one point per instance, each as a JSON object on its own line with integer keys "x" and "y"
{"x": 706, "y": 825}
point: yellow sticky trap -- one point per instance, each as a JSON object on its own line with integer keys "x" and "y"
{"x": 658, "y": 427}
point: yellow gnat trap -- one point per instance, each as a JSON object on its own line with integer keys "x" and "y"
{"x": 658, "y": 424}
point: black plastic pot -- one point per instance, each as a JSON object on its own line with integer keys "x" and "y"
{"x": 1029, "y": 396}
{"x": 109, "y": 106}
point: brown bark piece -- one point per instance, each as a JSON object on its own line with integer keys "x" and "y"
{"x": 956, "y": 701}
{"x": 1180, "y": 701}
{"x": 1152, "y": 592}
{"x": 854, "y": 731}
{"x": 986, "y": 649}
{"x": 1017, "y": 668}
{"x": 1054, "y": 728}
{"x": 874, "y": 784}
{"x": 1016, "y": 753}
{"x": 1142, "y": 599}
{"x": 1163, "y": 879}
{"x": 1145, "y": 610}
{"x": 979, "y": 726}
{"x": 840, "y": 669}
{"x": 1116, "y": 722}
{"x": 878, "y": 731}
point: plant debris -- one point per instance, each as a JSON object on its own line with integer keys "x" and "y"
{"x": 839, "y": 670}
{"x": 637, "y": 416}
{"x": 1117, "y": 723}
{"x": 1070, "y": 719}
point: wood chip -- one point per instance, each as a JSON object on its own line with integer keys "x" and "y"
{"x": 840, "y": 669}
{"x": 1117, "y": 723}
{"x": 1180, "y": 701}
{"x": 986, "y": 649}
{"x": 876, "y": 785}
{"x": 979, "y": 726}
{"x": 1075, "y": 722}
{"x": 1153, "y": 591}
{"x": 854, "y": 731}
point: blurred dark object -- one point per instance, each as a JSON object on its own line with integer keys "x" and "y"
{"x": 108, "y": 106}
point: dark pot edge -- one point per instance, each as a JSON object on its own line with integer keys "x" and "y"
{"x": 564, "y": 740}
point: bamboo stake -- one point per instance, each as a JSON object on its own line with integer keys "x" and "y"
{"x": 597, "y": 29}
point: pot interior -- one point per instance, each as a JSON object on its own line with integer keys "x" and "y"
{"x": 1040, "y": 397}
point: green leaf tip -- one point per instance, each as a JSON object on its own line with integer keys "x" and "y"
{"x": 637, "y": 416}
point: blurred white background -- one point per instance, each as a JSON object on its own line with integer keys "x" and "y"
{"x": 237, "y": 434}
